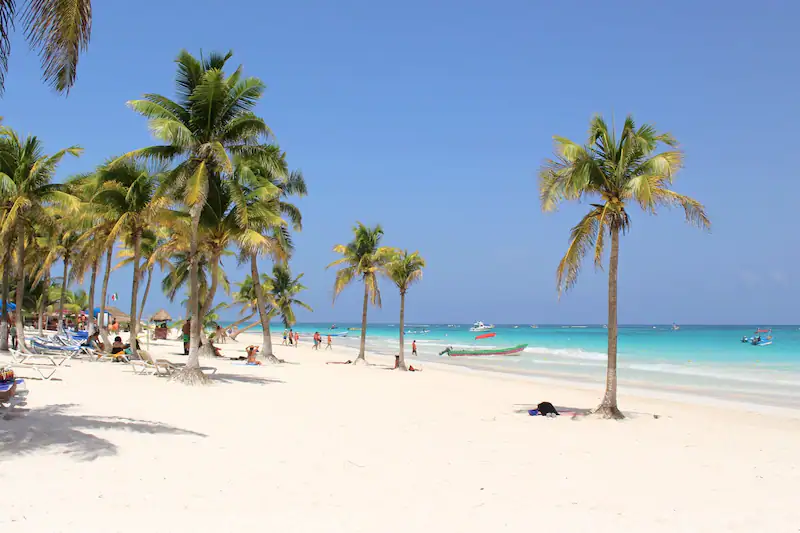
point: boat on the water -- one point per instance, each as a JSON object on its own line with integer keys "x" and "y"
{"x": 480, "y": 326}
{"x": 675, "y": 327}
{"x": 513, "y": 350}
{"x": 353, "y": 329}
{"x": 757, "y": 339}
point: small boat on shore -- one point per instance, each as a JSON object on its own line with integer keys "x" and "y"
{"x": 513, "y": 350}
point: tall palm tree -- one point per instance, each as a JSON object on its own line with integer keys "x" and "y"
{"x": 62, "y": 243}
{"x": 404, "y": 269}
{"x": 261, "y": 230}
{"x": 128, "y": 190}
{"x": 58, "y": 30}
{"x": 211, "y": 121}
{"x": 618, "y": 171}
{"x": 26, "y": 191}
{"x": 362, "y": 259}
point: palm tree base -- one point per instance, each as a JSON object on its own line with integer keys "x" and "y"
{"x": 190, "y": 376}
{"x": 273, "y": 359}
{"x": 608, "y": 412}
{"x": 361, "y": 361}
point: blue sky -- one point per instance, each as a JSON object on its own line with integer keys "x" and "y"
{"x": 433, "y": 117}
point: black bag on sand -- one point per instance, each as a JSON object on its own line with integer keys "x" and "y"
{"x": 545, "y": 408}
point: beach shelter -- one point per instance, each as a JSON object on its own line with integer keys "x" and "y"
{"x": 161, "y": 316}
{"x": 11, "y": 306}
{"x": 106, "y": 320}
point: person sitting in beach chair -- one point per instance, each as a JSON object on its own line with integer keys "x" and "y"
{"x": 118, "y": 350}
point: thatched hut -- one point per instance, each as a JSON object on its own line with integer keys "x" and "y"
{"x": 161, "y": 318}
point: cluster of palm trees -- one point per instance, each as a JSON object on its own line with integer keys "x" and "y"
{"x": 364, "y": 259}
{"x": 217, "y": 185}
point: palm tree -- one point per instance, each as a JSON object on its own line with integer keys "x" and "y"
{"x": 362, "y": 259}
{"x": 26, "y": 190}
{"x": 155, "y": 253}
{"x": 128, "y": 191}
{"x": 618, "y": 172}
{"x": 404, "y": 269}
{"x": 282, "y": 294}
{"x": 58, "y": 30}
{"x": 211, "y": 121}
{"x": 261, "y": 230}
{"x": 62, "y": 243}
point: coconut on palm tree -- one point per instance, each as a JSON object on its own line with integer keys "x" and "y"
{"x": 57, "y": 30}
{"x": 211, "y": 121}
{"x": 404, "y": 269}
{"x": 617, "y": 171}
{"x": 27, "y": 194}
{"x": 362, "y": 260}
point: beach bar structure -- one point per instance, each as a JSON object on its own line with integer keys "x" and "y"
{"x": 161, "y": 318}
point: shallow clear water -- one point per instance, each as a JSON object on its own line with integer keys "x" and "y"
{"x": 708, "y": 360}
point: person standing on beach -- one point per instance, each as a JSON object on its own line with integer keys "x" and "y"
{"x": 296, "y": 339}
{"x": 284, "y": 337}
{"x": 329, "y": 346}
{"x": 414, "y": 347}
{"x": 13, "y": 336}
{"x": 291, "y": 337}
{"x": 187, "y": 331}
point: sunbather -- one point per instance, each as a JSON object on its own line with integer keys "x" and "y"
{"x": 251, "y": 355}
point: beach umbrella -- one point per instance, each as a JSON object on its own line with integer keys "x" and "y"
{"x": 11, "y": 306}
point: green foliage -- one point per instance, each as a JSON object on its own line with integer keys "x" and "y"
{"x": 362, "y": 259}
{"x": 617, "y": 172}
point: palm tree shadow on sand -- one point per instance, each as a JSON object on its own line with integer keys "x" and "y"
{"x": 238, "y": 378}
{"x": 27, "y": 431}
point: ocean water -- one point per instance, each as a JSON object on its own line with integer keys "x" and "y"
{"x": 709, "y": 361}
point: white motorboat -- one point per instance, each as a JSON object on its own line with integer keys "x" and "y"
{"x": 480, "y": 326}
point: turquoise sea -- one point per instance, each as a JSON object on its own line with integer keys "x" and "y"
{"x": 710, "y": 361}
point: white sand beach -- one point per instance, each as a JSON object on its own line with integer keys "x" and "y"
{"x": 307, "y": 446}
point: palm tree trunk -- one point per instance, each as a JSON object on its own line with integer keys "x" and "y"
{"x": 21, "y": 288}
{"x": 137, "y": 250}
{"x": 250, "y": 326}
{"x": 60, "y": 328}
{"x": 146, "y": 291}
{"x": 92, "y": 326}
{"x": 401, "y": 362}
{"x": 212, "y": 291}
{"x": 266, "y": 349}
{"x": 361, "y": 359}
{"x": 608, "y": 407}
{"x": 43, "y": 302}
{"x": 103, "y": 299}
{"x": 245, "y": 319}
{"x": 4, "y": 320}
{"x": 191, "y": 373}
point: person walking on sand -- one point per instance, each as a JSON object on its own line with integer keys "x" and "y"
{"x": 284, "y": 337}
{"x": 329, "y": 346}
{"x": 414, "y": 348}
{"x": 296, "y": 339}
{"x": 291, "y": 337}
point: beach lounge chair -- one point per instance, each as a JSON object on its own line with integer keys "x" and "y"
{"x": 46, "y": 372}
{"x": 13, "y": 393}
{"x": 41, "y": 359}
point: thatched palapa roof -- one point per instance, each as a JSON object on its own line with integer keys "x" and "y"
{"x": 116, "y": 313}
{"x": 161, "y": 316}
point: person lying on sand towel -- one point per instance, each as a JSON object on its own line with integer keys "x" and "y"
{"x": 348, "y": 362}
